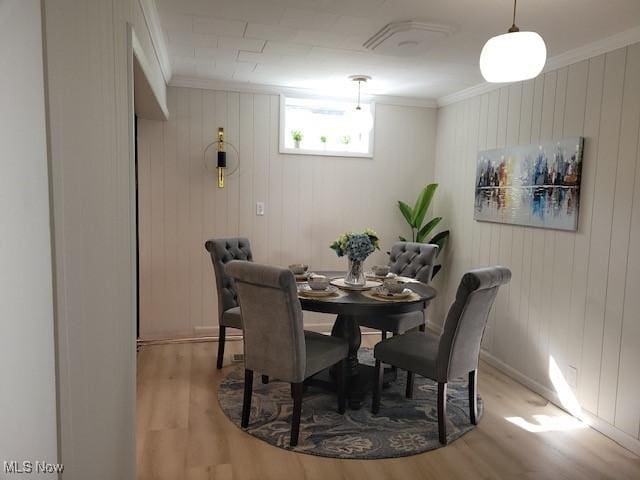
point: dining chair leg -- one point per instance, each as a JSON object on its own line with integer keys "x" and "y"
{"x": 293, "y": 392}
{"x": 377, "y": 387}
{"x": 342, "y": 386}
{"x": 423, "y": 325}
{"x": 296, "y": 389}
{"x": 442, "y": 412}
{"x": 385, "y": 335}
{"x": 409, "y": 392}
{"x": 394, "y": 369}
{"x": 265, "y": 379}
{"x": 473, "y": 396}
{"x": 246, "y": 403}
{"x": 221, "y": 346}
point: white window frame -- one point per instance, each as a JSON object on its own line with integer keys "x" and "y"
{"x": 323, "y": 153}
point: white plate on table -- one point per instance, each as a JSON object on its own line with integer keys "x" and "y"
{"x": 407, "y": 279}
{"x": 340, "y": 283}
{"x": 380, "y": 277}
{"x": 384, "y": 293}
{"x": 306, "y": 291}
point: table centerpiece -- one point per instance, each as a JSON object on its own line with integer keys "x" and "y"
{"x": 356, "y": 247}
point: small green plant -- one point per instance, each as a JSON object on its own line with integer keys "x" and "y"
{"x": 323, "y": 139}
{"x": 415, "y": 218}
{"x": 297, "y": 136}
{"x": 345, "y": 139}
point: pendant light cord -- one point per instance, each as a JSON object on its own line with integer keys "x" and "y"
{"x": 359, "y": 83}
{"x": 515, "y": 2}
{"x": 514, "y": 27}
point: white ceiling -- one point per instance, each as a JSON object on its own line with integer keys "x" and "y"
{"x": 317, "y": 44}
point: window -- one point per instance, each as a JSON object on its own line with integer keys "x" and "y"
{"x": 312, "y": 126}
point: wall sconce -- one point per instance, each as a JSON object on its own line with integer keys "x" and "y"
{"x": 222, "y": 157}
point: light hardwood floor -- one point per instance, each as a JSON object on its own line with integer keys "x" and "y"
{"x": 183, "y": 435}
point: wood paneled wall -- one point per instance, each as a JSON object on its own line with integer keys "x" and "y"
{"x": 574, "y": 297}
{"x": 309, "y": 200}
{"x": 91, "y": 165}
{"x": 28, "y": 403}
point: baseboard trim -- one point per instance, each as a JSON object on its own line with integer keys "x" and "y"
{"x": 319, "y": 327}
{"x": 434, "y": 327}
{"x": 212, "y": 334}
{"x": 621, "y": 438}
{"x": 202, "y": 339}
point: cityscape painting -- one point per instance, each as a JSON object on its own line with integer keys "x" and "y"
{"x": 534, "y": 185}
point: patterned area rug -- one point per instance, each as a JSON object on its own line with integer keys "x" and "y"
{"x": 402, "y": 427}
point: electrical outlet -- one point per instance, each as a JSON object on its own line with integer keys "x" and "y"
{"x": 260, "y": 208}
{"x": 237, "y": 358}
{"x": 572, "y": 376}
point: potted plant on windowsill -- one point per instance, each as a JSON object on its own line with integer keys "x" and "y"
{"x": 297, "y": 136}
{"x": 415, "y": 218}
{"x": 345, "y": 139}
{"x": 323, "y": 141}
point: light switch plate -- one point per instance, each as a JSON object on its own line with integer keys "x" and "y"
{"x": 259, "y": 208}
{"x": 572, "y": 376}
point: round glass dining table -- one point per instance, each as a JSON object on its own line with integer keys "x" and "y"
{"x": 352, "y": 309}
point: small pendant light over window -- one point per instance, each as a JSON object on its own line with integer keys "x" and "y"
{"x": 361, "y": 119}
{"x": 513, "y": 56}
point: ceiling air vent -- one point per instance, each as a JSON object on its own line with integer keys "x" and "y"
{"x": 406, "y": 39}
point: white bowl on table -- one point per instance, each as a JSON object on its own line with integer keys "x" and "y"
{"x": 298, "y": 268}
{"x": 393, "y": 285}
{"x": 318, "y": 282}
{"x": 381, "y": 270}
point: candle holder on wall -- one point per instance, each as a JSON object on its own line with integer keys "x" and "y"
{"x": 222, "y": 157}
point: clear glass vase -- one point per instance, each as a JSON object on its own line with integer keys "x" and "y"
{"x": 355, "y": 275}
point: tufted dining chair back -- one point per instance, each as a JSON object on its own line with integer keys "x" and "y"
{"x": 459, "y": 346}
{"x": 451, "y": 355}
{"x": 413, "y": 260}
{"x": 223, "y": 251}
{"x": 272, "y": 318}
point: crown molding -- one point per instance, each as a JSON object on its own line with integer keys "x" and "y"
{"x": 152, "y": 20}
{"x": 599, "y": 47}
{"x": 245, "y": 87}
{"x": 590, "y": 50}
{"x": 143, "y": 62}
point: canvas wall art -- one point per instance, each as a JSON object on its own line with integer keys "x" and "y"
{"x": 533, "y": 185}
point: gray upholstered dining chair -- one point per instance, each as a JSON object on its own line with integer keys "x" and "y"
{"x": 275, "y": 343}
{"x": 413, "y": 260}
{"x": 454, "y": 353}
{"x": 222, "y": 251}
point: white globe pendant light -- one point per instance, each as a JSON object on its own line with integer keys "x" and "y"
{"x": 363, "y": 121}
{"x": 513, "y": 56}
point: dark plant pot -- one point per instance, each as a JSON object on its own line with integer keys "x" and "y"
{"x": 436, "y": 269}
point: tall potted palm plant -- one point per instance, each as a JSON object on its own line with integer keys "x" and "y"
{"x": 420, "y": 230}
